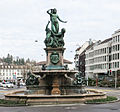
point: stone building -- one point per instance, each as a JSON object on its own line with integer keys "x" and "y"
{"x": 12, "y": 72}
{"x": 80, "y": 54}
{"x": 103, "y": 58}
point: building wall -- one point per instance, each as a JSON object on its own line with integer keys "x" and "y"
{"x": 81, "y": 67}
{"x": 79, "y": 52}
{"x": 103, "y": 58}
{"x": 11, "y": 72}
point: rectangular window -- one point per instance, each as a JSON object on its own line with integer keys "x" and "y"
{"x": 118, "y": 64}
{"x": 110, "y": 58}
{"x": 109, "y": 49}
{"x": 105, "y": 58}
{"x": 115, "y": 65}
{"x": 116, "y": 48}
{"x": 109, "y": 65}
{"x": 105, "y": 50}
{"x": 113, "y": 56}
{"x": 116, "y": 38}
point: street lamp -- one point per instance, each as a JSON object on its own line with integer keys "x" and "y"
{"x": 116, "y": 79}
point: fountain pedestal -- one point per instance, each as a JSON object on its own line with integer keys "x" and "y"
{"x": 54, "y": 57}
{"x": 55, "y": 90}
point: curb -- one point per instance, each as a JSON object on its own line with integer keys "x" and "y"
{"x": 104, "y": 102}
{"x": 17, "y": 105}
{"x": 13, "y": 105}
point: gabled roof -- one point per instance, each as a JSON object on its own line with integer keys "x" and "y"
{"x": 90, "y": 46}
{"x": 78, "y": 49}
{"x": 67, "y": 61}
{"x": 106, "y": 40}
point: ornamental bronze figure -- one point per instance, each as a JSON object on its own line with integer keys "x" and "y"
{"x": 54, "y": 38}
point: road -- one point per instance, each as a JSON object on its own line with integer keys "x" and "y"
{"x": 111, "y": 107}
{"x": 7, "y": 90}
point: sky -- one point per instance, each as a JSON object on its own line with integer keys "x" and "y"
{"x": 24, "y": 21}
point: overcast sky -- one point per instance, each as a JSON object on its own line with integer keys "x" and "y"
{"x": 24, "y": 21}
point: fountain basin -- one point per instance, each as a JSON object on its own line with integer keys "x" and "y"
{"x": 54, "y": 99}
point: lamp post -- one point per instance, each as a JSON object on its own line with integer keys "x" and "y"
{"x": 116, "y": 79}
{"x": 96, "y": 80}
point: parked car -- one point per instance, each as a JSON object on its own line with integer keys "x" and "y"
{"x": 22, "y": 84}
{"x": 1, "y": 84}
{"x": 7, "y": 85}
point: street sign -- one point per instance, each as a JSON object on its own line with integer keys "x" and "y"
{"x": 14, "y": 76}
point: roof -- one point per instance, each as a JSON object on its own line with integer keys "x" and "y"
{"x": 90, "y": 46}
{"x": 78, "y": 49}
{"x": 106, "y": 40}
{"x": 45, "y": 62}
{"x": 12, "y": 66}
{"x": 42, "y": 63}
{"x": 82, "y": 53}
{"x": 67, "y": 61}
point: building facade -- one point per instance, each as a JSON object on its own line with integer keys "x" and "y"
{"x": 103, "y": 57}
{"x": 12, "y": 72}
{"x": 79, "y": 56}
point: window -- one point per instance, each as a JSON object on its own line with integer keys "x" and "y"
{"x": 115, "y": 65}
{"x": 118, "y": 64}
{"x": 105, "y": 50}
{"x": 110, "y": 58}
{"x": 113, "y": 56}
{"x": 109, "y": 65}
{"x": 105, "y": 58}
{"x": 118, "y": 47}
{"x": 109, "y": 49}
{"x": 105, "y": 66}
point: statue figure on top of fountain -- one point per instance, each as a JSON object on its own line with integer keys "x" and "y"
{"x": 54, "y": 38}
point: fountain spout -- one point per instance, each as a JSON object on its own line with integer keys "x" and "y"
{"x": 71, "y": 79}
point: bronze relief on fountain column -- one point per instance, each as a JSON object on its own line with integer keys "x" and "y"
{"x": 54, "y": 58}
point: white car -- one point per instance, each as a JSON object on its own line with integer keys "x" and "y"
{"x": 1, "y": 84}
{"x": 7, "y": 85}
{"x": 22, "y": 84}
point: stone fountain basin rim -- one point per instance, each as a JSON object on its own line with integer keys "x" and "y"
{"x": 55, "y": 71}
{"x": 97, "y": 93}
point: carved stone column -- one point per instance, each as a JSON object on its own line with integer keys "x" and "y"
{"x": 55, "y": 90}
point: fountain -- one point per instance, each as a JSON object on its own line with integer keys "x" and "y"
{"x": 55, "y": 83}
